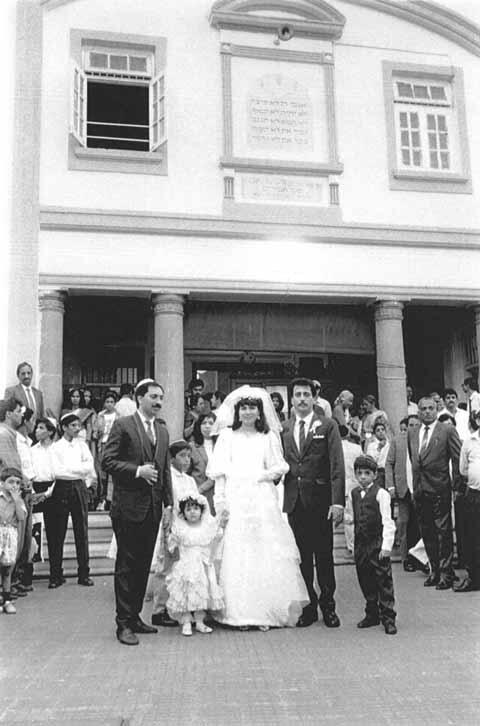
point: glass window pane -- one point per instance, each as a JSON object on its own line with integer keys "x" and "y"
{"x": 403, "y": 120}
{"x": 443, "y": 138}
{"x": 405, "y": 89}
{"x": 438, "y": 93}
{"x": 442, "y": 123}
{"x": 417, "y": 158}
{"x": 420, "y": 92}
{"x": 433, "y": 160}
{"x": 138, "y": 64}
{"x": 405, "y": 138}
{"x": 161, "y": 127}
{"x": 415, "y": 139}
{"x": 445, "y": 159}
{"x": 118, "y": 62}
{"x": 432, "y": 141}
{"x": 414, "y": 121}
{"x": 99, "y": 60}
{"x": 406, "y": 157}
{"x": 431, "y": 122}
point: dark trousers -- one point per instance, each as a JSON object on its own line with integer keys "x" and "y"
{"x": 460, "y": 534}
{"x": 314, "y": 536}
{"x": 375, "y": 579}
{"x": 69, "y": 497}
{"x": 434, "y": 513}
{"x": 408, "y": 532}
{"x": 135, "y": 545}
{"x": 24, "y": 542}
{"x": 472, "y": 535}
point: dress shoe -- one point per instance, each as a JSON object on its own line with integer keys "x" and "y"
{"x": 140, "y": 627}
{"x": 431, "y": 581}
{"x": 465, "y": 586}
{"x": 408, "y": 566}
{"x": 126, "y": 636}
{"x": 308, "y": 617}
{"x": 53, "y": 584}
{"x": 24, "y": 588}
{"x": 443, "y": 585}
{"x": 163, "y": 618}
{"x": 390, "y": 628}
{"x": 331, "y": 619}
{"x": 18, "y": 593}
{"x": 368, "y": 622}
{"x": 85, "y": 581}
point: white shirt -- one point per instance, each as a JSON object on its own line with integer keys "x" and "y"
{"x": 42, "y": 462}
{"x": 408, "y": 466}
{"x": 30, "y": 397}
{"x": 24, "y": 444}
{"x": 72, "y": 460}
{"x": 474, "y": 402}
{"x": 183, "y": 485}
{"x": 296, "y": 428}
{"x": 470, "y": 461}
{"x": 323, "y": 403}
{"x": 421, "y": 433}
{"x": 384, "y": 501}
{"x": 109, "y": 419}
{"x": 125, "y": 407}
{"x": 461, "y": 421}
{"x": 379, "y": 454}
{"x": 412, "y": 408}
{"x": 149, "y": 425}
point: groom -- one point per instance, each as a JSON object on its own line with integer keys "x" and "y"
{"x": 314, "y": 496}
{"x": 136, "y": 454}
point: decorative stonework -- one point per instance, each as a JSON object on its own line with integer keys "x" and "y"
{"x": 167, "y": 304}
{"x": 388, "y": 310}
{"x": 52, "y": 300}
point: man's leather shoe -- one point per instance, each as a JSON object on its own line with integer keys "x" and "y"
{"x": 368, "y": 622}
{"x": 408, "y": 566}
{"x": 53, "y": 584}
{"x": 24, "y": 588}
{"x": 390, "y": 628}
{"x": 18, "y": 593}
{"x": 331, "y": 619}
{"x": 465, "y": 586}
{"x": 444, "y": 585}
{"x": 431, "y": 581}
{"x": 85, "y": 581}
{"x": 308, "y": 617}
{"x": 126, "y": 636}
{"x": 140, "y": 627}
{"x": 163, "y": 618}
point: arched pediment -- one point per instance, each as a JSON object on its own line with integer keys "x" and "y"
{"x": 304, "y": 17}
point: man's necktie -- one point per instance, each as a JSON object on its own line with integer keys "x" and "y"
{"x": 424, "y": 440}
{"x": 150, "y": 434}
{"x": 301, "y": 435}
{"x": 30, "y": 399}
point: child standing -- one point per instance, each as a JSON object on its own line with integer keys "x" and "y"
{"x": 12, "y": 511}
{"x": 192, "y": 584}
{"x": 374, "y": 536}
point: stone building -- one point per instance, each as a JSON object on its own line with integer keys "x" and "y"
{"x": 246, "y": 188}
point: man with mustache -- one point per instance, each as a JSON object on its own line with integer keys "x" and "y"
{"x": 136, "y": 455}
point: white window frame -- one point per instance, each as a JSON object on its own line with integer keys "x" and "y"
{"x": 425, "y": 176}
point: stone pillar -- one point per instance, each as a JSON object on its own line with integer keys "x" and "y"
{"x": 168, "y": 347}
{"x": 52, "y": 309}
{"x": 390, "y": 360}
{"x": 476, "y": 312}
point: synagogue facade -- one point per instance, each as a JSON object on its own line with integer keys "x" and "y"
{"x": 252, "y": 189}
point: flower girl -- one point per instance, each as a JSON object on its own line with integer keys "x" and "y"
{"x": 192, "y": 583}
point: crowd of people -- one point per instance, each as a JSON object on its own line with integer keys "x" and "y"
{"x": 204, "y": 513}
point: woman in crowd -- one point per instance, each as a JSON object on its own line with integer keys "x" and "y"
{"x": 278, "y": 404}
{"x": 197, "y": 407}
{"x": 75, "y": 404}
{"x": 202, "y": 449}
{"x": 103, "y": 425}
{"x": 260, "y": 569}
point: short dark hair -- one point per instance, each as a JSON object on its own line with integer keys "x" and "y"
{"x": 10, "y": 471}
{"x": 221, "y": 395}
{"x": 194, "y": 399}
{"x": 176, "y": 446}
{"x": 380, "y": 421}
{"x": 182, "y": 504}
{"x": 142, "y": 389}
{"x": 196, "y": 382}
{"x": 369, "y": 398}
{"x": 198, "y": 437}
{"x": 21, "y": 365}
{"x": 68, "y": 419}
{"x": 404, "y": 421}
{"x": 365, "y": 462}
{"x": 304, "y": 382}
{"x": 261, "y": 422}
{"x": 449, "y": 392}
{"x": 413, "y": 415}
{"x": 27, "y": 415}
{"x": 110, "y": 394}
{"x": 8, "y": 404}
{"x": 126, "y": 389}
{"x": 445, "y": 417}
{"x": 471, "y": 382}
{"x": 48, "y": 425}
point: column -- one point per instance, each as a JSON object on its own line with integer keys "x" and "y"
{"x": 52, "y": 309}
{"x": 390, "y": 360}
{"x": 476, "y": 312}
{"x": 168, "y": 347}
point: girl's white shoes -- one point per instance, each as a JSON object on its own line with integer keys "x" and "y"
{"x": 187, "y": 629}
{"x": 8, "y": 608}
{"x": 202, "y": 628}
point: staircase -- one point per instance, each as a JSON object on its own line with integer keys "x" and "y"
{"x": 100, "y": 535}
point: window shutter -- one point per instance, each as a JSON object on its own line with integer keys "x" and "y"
{"x": 157, "y": 125}
{"x": 79, "y": 106}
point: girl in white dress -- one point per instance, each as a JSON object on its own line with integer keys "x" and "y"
{"x": 260, "y": 568}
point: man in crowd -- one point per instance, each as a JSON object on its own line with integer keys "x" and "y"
{"x": 321, "y": 403}
{"x": 461, "y": 417}
{"x": 136, "y": 455}
{"x": 216, "y": 400}
{"x": 412, "y": 407}
{"x": 342, "y": 408}
{"x": 74, "y": 470}
{"x": 314, "y": 496}
{"x": 433, "y": 446}
{"x": 470, "y": 388}
{"x": 11, "y": 413}
{"x": 24, "y": 392}
{"x": 470, "y": 468}
{"x": 126, "y": 406}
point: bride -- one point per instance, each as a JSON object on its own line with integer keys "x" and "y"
{"x": 260, "y": 568}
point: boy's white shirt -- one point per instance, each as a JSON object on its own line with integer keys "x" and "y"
{"x": 182, "y": 485}
{"x": 384, "y": 500}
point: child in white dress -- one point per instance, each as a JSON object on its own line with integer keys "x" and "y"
{"x": 12, "y": 511}
{"x": 192, "y": 583}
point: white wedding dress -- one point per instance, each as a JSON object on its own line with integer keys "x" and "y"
{"x": 260, "y": 568}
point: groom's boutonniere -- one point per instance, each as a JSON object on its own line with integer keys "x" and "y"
{"x": 316, "y": 429}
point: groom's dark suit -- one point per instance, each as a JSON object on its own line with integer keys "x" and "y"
{"x": 315, "y": 481}
{"x": 136, "y": 507}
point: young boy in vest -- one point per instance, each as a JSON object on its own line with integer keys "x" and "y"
{"x": 374, "y": 536}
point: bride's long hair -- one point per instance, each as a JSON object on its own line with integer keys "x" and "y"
{"x": 261, "y": 422}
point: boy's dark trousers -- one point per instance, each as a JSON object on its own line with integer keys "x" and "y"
{"x": 375, "y": 579}
{"x": 69, "y": 497}
{"x": 472, "y": 539}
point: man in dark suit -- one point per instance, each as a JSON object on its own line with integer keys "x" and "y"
{"x": 136, "y": 455}
{"x": 314, "y": 496}
{"x": 24, "y": 392}
{"x": 433, "y": 446}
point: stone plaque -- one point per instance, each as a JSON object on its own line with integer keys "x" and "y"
{"x": 283, "y": 188}
{"x": 279, "y": 115}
